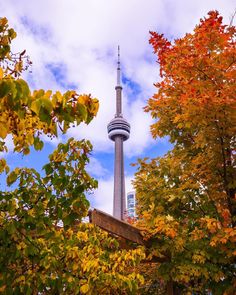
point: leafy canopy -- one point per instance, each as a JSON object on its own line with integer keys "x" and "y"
{"x": 187, "y": 199}
{"x": 45, "y": 247}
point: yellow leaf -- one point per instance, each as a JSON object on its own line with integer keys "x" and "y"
{"x": 95, "y": 106}
{"x": 53, "y": 276}
{"x": 20, "y": 279}
{"x": 1, "y": 73}
{"x": 84, "y": 289}
{"x": 31, "y": 212}
{"x": 70, "y": 279}
{"x": 83, "y": 99}
{"x": 35, "y": 106}
{"x": 3, "y": 131}
{"x": 75, "y": 266}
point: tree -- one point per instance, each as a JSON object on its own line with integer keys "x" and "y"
{"x": 45, "y": 247}
{"x": 187, "y": 201}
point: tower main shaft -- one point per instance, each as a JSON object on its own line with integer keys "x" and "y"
{"x": 118, "y": 131}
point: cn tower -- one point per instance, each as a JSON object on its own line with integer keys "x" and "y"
{"x": 118, "y": 131}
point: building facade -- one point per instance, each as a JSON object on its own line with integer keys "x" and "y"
{"x": 131, "y": 205}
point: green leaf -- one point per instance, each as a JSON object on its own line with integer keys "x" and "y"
{"x": 23, "y": 87}
{"x": 3, "y": 166}
{"x": 48, "y": 169}
{"x": 11, "y": 178}
{"x": 82, "y": 111}
{"x": 46, "y": 104}
{"x": 11, "y": 228}
{"x": 26, "y": 151}
{"x": 5, "y": 88}
{"x": 38, "y": 144}
{"x": 69, "y": 219}
{"x": 11, "y": 33}
{"x": 44, "y": 115}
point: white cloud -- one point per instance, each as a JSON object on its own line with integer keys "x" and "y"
{"x": 9, "y": 144}
{"x": 140, "y": 137}
{"x": 51, "y": 140}
{"x": 95, "y": 168}
{"x": 102, "y": 198}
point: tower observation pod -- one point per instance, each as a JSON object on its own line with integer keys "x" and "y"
{"x": 118, "y": 131}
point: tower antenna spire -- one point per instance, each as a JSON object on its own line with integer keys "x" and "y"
{"x": 118, "y": 67}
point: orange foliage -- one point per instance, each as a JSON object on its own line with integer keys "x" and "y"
{"x": 187, "y": 198}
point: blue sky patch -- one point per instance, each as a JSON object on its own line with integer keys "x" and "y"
{"x": 131, "y": 85}
{"x": 59, "y": 72}
{"x": 35, "y": 29}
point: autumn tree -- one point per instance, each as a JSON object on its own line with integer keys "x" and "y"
{"x": 45, "y": 247}
{"x": 187, "y": 202}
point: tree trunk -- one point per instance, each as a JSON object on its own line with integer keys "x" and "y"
{"x": 170, "y": 288}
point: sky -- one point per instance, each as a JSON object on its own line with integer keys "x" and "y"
{"x": 73, "y": 45}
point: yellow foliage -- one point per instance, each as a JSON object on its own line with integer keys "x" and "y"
{"x": 1, "y": 73}
{"x": 83, "y": 236}
{"x": 70, "y": 279}
{"x": 3, "y": 131}
{"x": 84, "y": 288}
{"x": 199, "y": 257}
{"x": 20, "y": 279}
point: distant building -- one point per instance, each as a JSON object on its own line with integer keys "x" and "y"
{"x": 131, "y": 205}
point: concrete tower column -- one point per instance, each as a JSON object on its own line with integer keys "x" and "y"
{"x": 119, "y": 205}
